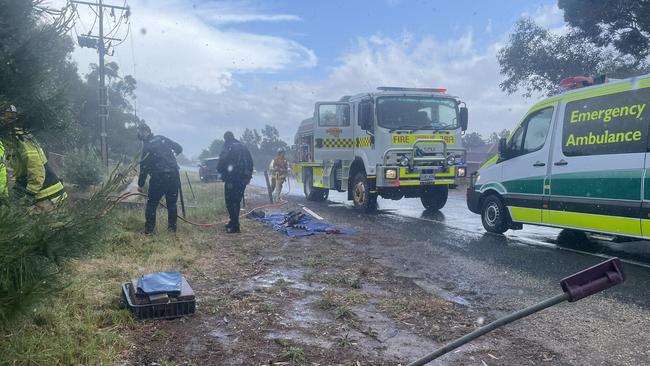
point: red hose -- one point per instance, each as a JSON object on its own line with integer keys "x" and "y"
{"x": 126, "y": 195}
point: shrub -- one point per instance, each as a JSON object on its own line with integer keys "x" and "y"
{"x": 83, "y": 167}
{"x": 35, "y": 246}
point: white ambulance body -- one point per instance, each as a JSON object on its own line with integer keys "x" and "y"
{"x": 578, "y": 160}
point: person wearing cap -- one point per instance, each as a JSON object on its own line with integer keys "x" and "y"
{"x": 236, "y": 170}
{"x": 159, "y": 163}
{"x": 279, "y": 172}
{"x": 35, "y": 179}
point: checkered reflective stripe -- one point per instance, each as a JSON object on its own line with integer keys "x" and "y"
{"x": 338, "y": 143}
{"x": 364, "y": 141}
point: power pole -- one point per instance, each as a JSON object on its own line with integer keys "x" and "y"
{"x": 103, "y": 101}
{"x": 89, "y": 41}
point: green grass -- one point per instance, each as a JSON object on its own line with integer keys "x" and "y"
{"x": 343, "y": 312}
{"x": 296, "y": 355}
{"x": 83, "y": 323}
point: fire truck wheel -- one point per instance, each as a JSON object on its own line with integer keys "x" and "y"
{"x": 494, "y": 215}
{"x": 312, "y": 193}
{"x": 435, "y": 197}
{"x": 361, "y": 196}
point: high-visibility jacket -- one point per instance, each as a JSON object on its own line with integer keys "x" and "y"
{"x": 3, "y": 172}
{"x": 280, "y": 168}
{"x": 32, "y": 173}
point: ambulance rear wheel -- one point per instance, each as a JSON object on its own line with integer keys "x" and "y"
{"x": 435, "y": 197}
{"x": 494, "y": 215}
{"x": 363, "y": 200}
{"x": 312, "y": 193}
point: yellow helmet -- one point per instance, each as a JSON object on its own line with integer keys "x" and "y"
{"x": 9, "y": 115}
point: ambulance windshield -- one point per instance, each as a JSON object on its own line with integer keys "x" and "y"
{"x": 414, "y": 112}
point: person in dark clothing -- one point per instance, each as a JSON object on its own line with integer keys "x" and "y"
{"x": 159, "y": 162}
{"x": 236, "y": 170}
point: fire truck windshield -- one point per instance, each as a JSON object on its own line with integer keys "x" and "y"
{"x": 413, "y": 112}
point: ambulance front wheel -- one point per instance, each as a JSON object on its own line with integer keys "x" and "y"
{"x": 312, "y": 193}
{"x": 494, "y": 215}
{"x": 435, "y": 197}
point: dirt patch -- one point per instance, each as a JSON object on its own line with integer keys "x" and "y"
{"x": 266, "y": 299}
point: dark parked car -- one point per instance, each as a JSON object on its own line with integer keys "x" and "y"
{"x": 208, "y": 170}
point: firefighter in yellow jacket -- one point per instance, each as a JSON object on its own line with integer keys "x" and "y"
{"x": 34, "y": 177}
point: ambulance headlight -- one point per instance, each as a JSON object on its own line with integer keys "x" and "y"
{"x": 461, "y": 171}
{"x": 404, "y": 161}
{"x": 390, "y": 173}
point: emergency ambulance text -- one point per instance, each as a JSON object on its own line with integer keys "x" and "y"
{"x": 606, "y": 115}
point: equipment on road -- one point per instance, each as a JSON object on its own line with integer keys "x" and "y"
{"x": 297, "y": 224}
{"x": 577, "y": 286}
{"x": 393, "y": 143}
{"x": 577, "y": 160}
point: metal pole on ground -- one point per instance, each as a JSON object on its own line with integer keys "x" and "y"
{"x": 577, "y": 286}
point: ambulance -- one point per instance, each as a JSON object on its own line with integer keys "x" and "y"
{"x": 578, "y": 160}
{"x": 394, "y": 142}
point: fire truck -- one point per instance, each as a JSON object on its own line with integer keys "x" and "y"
{"x": 394, "y": 142}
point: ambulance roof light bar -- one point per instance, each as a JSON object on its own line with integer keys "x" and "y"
{"x": 426, "y": 90}
{"x": 576, "y": 82}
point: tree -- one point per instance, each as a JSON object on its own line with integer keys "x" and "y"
{"x": 504, "y": 133}
{"x": 213, "y": 150}
{"x": 473, "y": 140}
{"x": 262, "y": 145}
{"x": 494, "y": 137}
{"x": 622, "y": 24}
{"x": 122, "y": 121}
{"x": 36, "y": 73}
{"x": 535, "y": 60}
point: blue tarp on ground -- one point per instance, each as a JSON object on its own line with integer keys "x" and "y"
{"x": 160, "y": 283}
{"x": 312, "y": 226}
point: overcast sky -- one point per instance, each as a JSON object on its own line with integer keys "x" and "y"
{"x": 205, "y": 67}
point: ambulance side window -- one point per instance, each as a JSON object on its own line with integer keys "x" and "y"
{"x": 537, "y": 129}
{"x": 531, "y": 134}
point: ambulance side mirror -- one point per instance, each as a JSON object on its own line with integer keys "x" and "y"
{"x": 463, "y": 118}
{"x": 503, "y": 149}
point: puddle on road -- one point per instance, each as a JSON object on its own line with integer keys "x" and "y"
{"x": 292, "y": 278}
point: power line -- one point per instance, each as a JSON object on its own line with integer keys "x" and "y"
{"x": 99, "y": 42}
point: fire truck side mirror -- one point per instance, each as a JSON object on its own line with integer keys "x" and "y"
{"x": 463, "y": 118}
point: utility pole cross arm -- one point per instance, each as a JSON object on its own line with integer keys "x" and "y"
{"x": 100, "y": 4}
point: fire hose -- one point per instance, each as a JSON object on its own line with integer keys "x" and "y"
{"x": 126, "y": 195}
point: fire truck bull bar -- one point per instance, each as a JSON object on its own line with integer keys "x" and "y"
{"x": 412, "y": 150}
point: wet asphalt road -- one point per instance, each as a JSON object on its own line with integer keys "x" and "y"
{"x": 449, "y": 253}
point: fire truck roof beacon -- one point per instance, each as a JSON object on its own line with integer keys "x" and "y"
{"x": 426, "y": 90}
